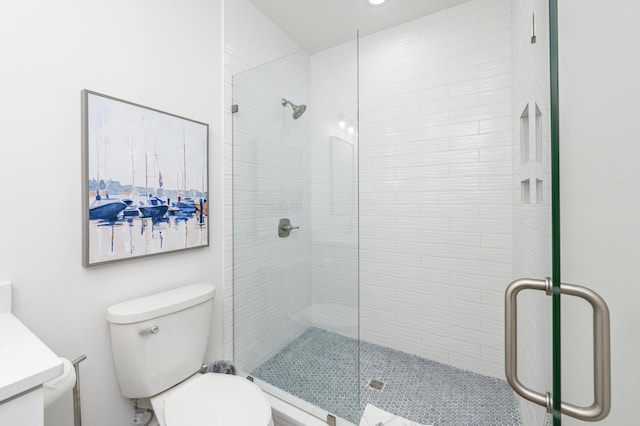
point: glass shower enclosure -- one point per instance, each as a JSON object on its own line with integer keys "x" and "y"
{"x": 385, "y": 192}
{"x": 295, "y": 235}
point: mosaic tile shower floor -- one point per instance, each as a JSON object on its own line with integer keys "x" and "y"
{"x": 321, "y": 367}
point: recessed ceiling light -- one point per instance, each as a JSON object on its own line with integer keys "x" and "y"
{"x": 376, "y": 2}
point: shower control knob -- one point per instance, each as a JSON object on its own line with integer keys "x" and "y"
{"x": 285, "y": 227}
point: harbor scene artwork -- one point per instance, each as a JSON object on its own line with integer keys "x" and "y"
{"x": 145, "y": 180}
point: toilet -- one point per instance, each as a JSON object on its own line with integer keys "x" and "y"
{"x": 158, "y": 344}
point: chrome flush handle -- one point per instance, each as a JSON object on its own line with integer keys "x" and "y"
{"x": 151, "y": 330}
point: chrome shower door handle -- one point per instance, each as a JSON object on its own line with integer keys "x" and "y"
{"x": 285, "y": 227}
{"x": 601, "y": 349}
{"x": 511, "y": 339}
{"x": 601, "y": 405}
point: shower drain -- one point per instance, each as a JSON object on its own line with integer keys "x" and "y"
{"x": 376, "y": 384}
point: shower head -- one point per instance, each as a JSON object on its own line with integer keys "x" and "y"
{"x": 298, "y": 110}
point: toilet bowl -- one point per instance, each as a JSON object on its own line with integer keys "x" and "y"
{"x": 213, "y": 399}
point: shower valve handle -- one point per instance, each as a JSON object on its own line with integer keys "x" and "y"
{"x": 285, "y": 227}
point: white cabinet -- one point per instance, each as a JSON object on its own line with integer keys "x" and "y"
{"x": 25, "y": 364}
{"x": 24, "y": 410}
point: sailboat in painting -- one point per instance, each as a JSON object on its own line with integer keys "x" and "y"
{"x": 185, "y": 206}
{"x": 153, "y": 207}
{"x": 104, "y": 207}
{"x": 131, "y": 211}
{"x": 203, "y": 205}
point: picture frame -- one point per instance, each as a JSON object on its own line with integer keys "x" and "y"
{"x": 145, "y": 180}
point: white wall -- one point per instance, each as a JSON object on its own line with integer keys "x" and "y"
{"x": 435, "y": 185}
{"x": 159, "y": 53}
{"x": 600, "y": 201}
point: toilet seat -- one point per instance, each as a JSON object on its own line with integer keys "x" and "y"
{"x": 217, "y": 399}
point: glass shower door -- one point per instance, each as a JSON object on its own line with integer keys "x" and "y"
{"x": 596, "y": 322}
{"x": 271, "y": 275}
{"x": 295, "y": 231}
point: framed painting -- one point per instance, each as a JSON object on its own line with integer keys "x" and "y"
{"x": 145, "y": 180}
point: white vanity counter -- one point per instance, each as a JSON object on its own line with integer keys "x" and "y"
{"x": 25, "y": 362}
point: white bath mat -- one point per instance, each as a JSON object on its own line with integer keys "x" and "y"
{"x": 373, "y": 416}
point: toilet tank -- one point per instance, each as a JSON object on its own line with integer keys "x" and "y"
{"x": 159, "y": 340}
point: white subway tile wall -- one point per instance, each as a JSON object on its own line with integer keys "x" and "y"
{"x": 436, "y": 189}
{"x": 272, "y": 275}
{"x": 532, "y": 220}
{"x": 251, "y": 40}
{"x": 334, "y": 196}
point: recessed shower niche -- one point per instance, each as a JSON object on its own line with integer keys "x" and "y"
{"x": 525, "y": 191}
{"x": 538, "y": 135}
{"x": 539, "y": 195}
{"x": 524, "y": 136}
{"x": 531, "y": 166}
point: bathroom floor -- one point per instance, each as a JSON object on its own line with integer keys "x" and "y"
{"x": 321, "y": 367}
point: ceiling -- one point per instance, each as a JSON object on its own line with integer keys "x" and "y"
{"x": 319, "y": 24}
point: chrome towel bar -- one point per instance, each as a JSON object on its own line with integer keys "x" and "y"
{"x": 77, "y": 414}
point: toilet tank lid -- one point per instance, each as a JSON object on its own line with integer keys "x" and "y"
{"x": 160, "y": 304}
